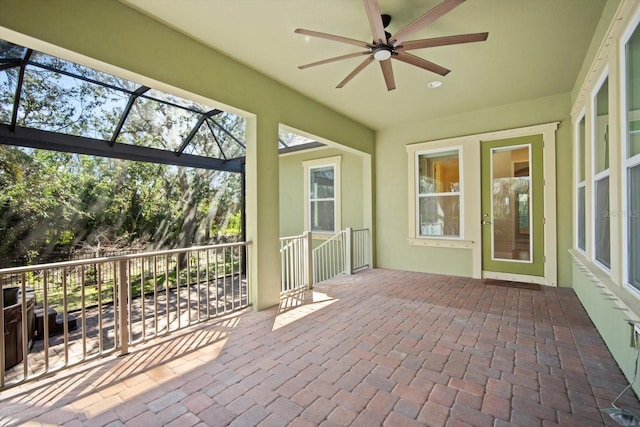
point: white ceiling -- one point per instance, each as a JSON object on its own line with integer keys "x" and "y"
{"x": 535, "y": 49}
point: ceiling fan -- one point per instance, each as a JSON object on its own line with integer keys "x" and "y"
{"x": 386, "y": 46}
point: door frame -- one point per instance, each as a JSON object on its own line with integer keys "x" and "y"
{"x": 514, "y": 269}
{"x": 548, "y": 132}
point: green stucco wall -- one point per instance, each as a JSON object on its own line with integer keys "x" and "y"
{"x": 610, "y": 318}
{"x": 113, "y": 37}
{"x": 392, "y": 187}
{"x": 292, "y": 192}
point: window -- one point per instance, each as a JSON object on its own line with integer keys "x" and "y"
{"x": 602, "y": 231}
{"x": 581, "y": 210}
{"x": 322, "y": 192}
{"x": 438, "y": 196}
{"x": 632, "y": 157}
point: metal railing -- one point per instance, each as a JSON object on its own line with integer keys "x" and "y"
{"x": 80, "y": 310}
{"x": 329, "y": 258}
{"x": 295, "y": 263}
{"x": 344, "y": 253}
{"x": 360, "y": 249}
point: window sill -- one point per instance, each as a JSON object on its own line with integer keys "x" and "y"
{"x": 442, "y": 243}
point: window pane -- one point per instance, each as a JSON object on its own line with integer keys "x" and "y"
{"x": 581, "y": 220}
{"x": 439, "y": 215}
{"x": 289, "y": 139}
{"x": 10, "y": 51}
{"x": 601, "y": 148}
{"x": 154, "y": 124}
{"x": 511, "y": 201}
{"x": 172, "y": 99}
{"x": 211, "y": 141}
{"x": 52, "y": 62}
{"x": 439, "y": 172}
{"x": 633, "y": 93}
{"x": 602, "y": 230}
{"x": 581, "y": 148}
{"x": 8, "y": 83}
{"x": 56, "y": 102}
{"x": 634, "y": 226}
{"x": 321, "y": 183}
{"x": 322, "y": 216}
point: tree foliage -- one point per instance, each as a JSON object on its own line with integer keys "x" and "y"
{"x": 53, "y": 203}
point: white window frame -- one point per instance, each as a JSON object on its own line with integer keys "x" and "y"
{"x": 417, "y": 195}
{"x": 580, "y": 184}
{"x": 309, "y": 165}
{"x": 598, "y": 176}
{"x": 627, "y": 162}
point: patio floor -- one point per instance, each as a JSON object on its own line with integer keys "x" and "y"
{"x": 381, "y": 347}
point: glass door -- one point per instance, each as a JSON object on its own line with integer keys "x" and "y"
{"x": 512, "y": 206}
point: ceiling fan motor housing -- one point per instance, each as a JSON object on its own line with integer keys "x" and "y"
{"x": 382, "y": 52}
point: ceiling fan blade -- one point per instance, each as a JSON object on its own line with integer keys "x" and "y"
{"x": 356, "y": 71}
{"x": 419, "y": 62}
{"x": 337, "y": 58}
{"x": 424, "y": 20}
{"x": 333, "y": 37}
{"x": 443, "y": 41}
{"x": 377, "y": 28}
{"x": 387, "y": 72}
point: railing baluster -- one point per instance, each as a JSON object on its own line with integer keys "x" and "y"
{"x": 2, "y": 342}
{"x": 142, "y": 298}
{"x": 83, "y": 313}
{"x": 215, "y": 266}
{"x": 25, "y": 327}
{"x": 45, "y": 319}
{"x": 167, "y": 292}
{"x": 100, "y": 308}
{"x": 188, "y": 256}
{"x": 198, "y": 283}
{"x": 154, "y": 272}
{"x": 208, "y": 282}
{"x": 130, "y": 303}
{"x": 178, "y": 283}
{"x": 122, "y": 304}
{"x": 224, "y": 278}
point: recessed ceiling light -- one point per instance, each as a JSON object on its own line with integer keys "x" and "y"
{"x": 434, "y": 84}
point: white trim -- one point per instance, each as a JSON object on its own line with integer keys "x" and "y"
{"x": 597, "y": 176}
{"x": 576, "y": 243}
{"x": 544, "y": 129}
{"x": 601, "y": 58}
{"x": 442, "y": 243}
{"x": 627, "y": 162}
{"x": 334, "y": 162}
{"x": 417, "y": 195}
{"x": 579, "y": 151}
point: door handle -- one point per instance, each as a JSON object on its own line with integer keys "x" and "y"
{"x": 485, "y": 222}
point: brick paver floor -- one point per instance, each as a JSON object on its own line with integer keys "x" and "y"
{"x": 382, "y": 347}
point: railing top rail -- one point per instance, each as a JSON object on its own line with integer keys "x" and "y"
{"x": 336, "y": 236}
{"x": 282, "y": 239}
{"x": 38, "y": 267}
